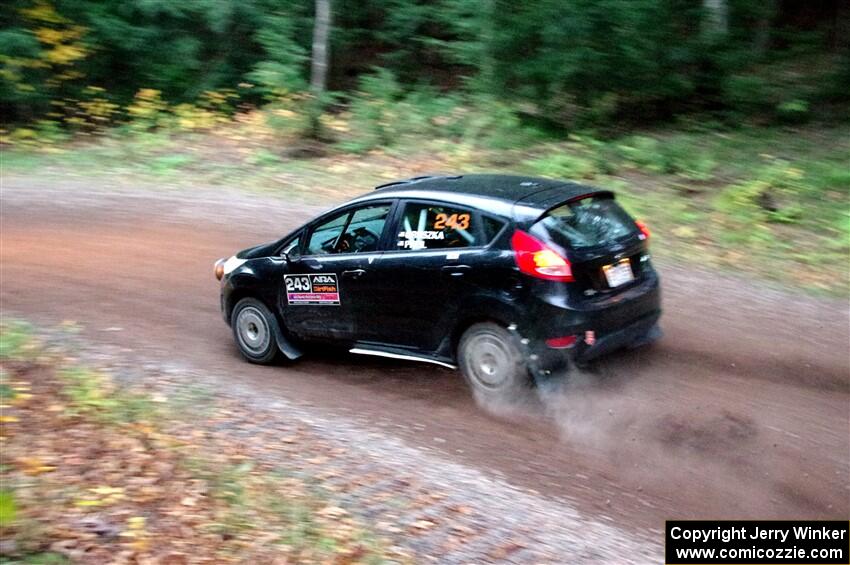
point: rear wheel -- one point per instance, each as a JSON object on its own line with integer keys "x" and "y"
{"x": 492, "y": 363}
{"x": 254, "y": 328}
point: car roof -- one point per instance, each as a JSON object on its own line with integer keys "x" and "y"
{"x": 518, "y": 197}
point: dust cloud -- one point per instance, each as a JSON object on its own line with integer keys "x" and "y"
{"x": 671, "y": 445}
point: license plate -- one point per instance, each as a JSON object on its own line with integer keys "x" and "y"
{"x": 619, "y": 273}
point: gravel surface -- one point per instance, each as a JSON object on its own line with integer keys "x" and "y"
{"x": 428, "y": 507}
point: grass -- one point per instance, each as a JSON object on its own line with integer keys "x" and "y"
{"x": 722, "y": 198}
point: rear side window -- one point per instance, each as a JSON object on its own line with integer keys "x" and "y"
{"x": 491, "y": 227}
{"x": 589, "y": 222}
{"x": 436, "y": 226}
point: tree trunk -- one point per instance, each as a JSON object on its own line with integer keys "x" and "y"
{"x": 716, "y": 17}
{"x": 761, "y": 35}
{"x": 321, "y": 31}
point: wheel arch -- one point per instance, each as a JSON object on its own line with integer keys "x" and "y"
{"x": 247, "y": 287}
{"x": 495, "y": 312}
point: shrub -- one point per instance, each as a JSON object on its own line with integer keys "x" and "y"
{"x": 677, "y": 158}
{"x": 770, "y": 196}
{"x": 794, "y": 111}
{"x": 94, "y": 113}
{"x": 698, "y": 167}
{"x": 424, "y": 111}
{"x": 286, "y": 118}
{"x": 374, "y": 112}
{"x": 564, "y": 165}
{"x": 643, "y": 153}
{"x": 44, "y": 135}
{"x": 495, "y": 125}
{"x": 746, "y": 94}
{"x": 148, "y": 110}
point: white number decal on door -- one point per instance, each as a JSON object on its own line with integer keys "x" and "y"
{"x": 298, "y": 284}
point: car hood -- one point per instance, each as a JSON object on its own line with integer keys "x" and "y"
{"x": 262, "y": 250}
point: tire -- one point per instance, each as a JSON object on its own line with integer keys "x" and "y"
{"x": 493, "y": 364}
{"x": 254, "y": 329}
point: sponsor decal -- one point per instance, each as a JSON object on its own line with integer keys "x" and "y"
{"x": 312, "y": 289}
{"x": 415, "y": 239}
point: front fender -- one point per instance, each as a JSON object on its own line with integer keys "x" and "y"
{"x": 253, "y": 280}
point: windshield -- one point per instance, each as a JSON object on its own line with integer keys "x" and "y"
{"x": 589, "y": 222}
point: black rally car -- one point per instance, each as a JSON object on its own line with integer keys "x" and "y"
{"x": 508, "y": 277}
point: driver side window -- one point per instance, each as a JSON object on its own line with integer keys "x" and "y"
{"x": 357, "y": 231}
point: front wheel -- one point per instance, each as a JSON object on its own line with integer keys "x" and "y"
{"x": 254, "y": 328}
{"x": 492, "y": 363}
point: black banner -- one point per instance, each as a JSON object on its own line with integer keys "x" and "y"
{"x": 760, "y": 542}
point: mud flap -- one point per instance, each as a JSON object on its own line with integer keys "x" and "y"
{"x": 286, "y": 347}
{"x": 543, "y": 377}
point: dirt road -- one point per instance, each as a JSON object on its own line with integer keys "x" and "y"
{"x": 741, "y": 411}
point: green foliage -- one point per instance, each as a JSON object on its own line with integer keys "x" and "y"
{"x": 671, "y": 157}
{"x": 263, "y": 158}
{"x": 770, "y": 196}
{"x": 148, "y": 110}
{"x": 495, "y": 125}
{"x": 88, "y": 390}
{"x": 425, "y": 111}
{"x": 598, "y": 57}
{"x": 8, "y": 508}
{"x": 572, "y": 63}
{"x": 565, "y": 166}
{"x": 92, "y": 392}
{"x": 281, "y": 71}
{"x": 374, "y": 112}
{"x": 382, "y": 114}
{"x": 794, "y": 111}
{"x": 643, "y": 153}
{"x": 747, "y": 94}
{"x": 169, "y": 163}
{"x": 16, "y": 340}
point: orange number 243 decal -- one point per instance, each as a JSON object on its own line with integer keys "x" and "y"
{"x": 455, "y": 222}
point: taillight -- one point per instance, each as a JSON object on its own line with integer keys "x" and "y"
{"x": 562, "y": 342}
{"x": 644, "y": 231}
{"x": 534, "y": 258}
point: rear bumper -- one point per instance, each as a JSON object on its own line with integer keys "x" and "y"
{"x": 545, "y": 362}
{"x": 629, "y": 336}
{"x": 625, "y": 320}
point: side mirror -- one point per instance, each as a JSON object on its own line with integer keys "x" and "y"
{"x": 290, "y": 256}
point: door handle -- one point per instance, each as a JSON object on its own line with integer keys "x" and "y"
{"x": 455, "y": 270}
{"x": 355, "y": 274}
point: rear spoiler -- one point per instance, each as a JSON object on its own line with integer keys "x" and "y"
{"x": 534, "y": 206}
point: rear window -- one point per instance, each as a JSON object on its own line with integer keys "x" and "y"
{"x": 589, "y": 222}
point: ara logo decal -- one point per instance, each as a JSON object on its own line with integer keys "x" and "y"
{"x": 312, "y": 289}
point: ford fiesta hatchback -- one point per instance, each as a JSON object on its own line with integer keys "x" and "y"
{"x": 508, "y": 278}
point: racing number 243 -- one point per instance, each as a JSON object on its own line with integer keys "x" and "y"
{"x": 455, "y": 221}
{"x": 298, "y": 284}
